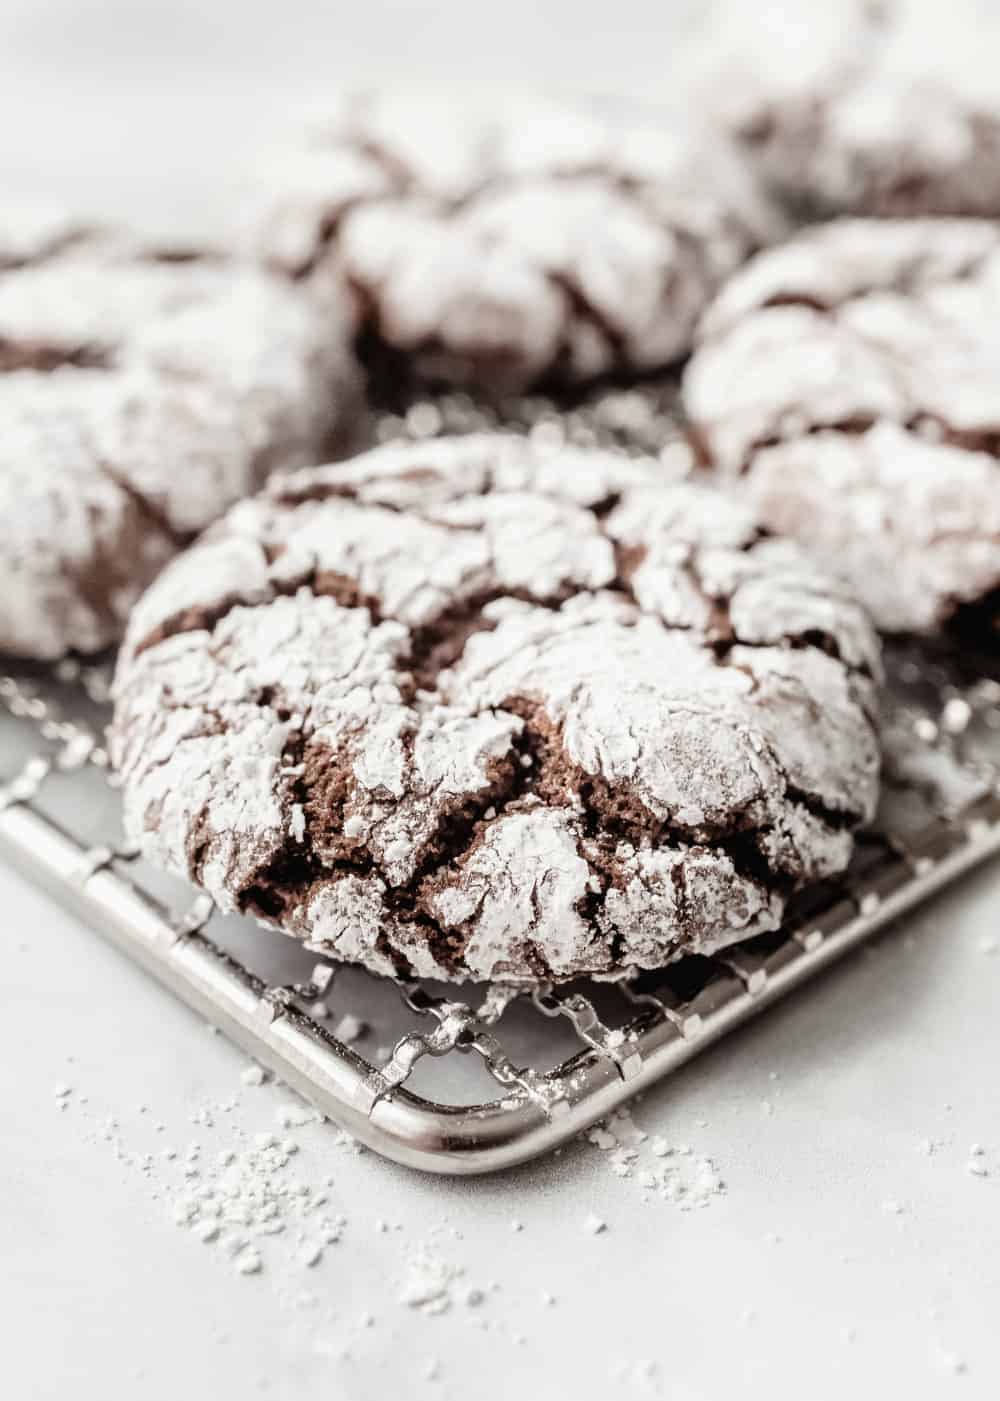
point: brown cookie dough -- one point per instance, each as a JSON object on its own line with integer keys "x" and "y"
{"x": 141, "y": 392}
{"x": 890, "y": 108}
{"x": 851, "y": 378}
{"x": 468, "y": 709}
{"x": 503, "y": 248}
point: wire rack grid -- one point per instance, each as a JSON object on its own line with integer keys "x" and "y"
{"x": 549, "y": 1061}
{"x": 942, "y": 818}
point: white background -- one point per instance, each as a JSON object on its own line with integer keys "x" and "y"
{"x": 800, "y": 1282}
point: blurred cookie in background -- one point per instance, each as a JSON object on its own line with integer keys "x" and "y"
{"x": 142, "y": 391}
{"x": 513, "y": 245}
{"x": 849, "y": 380}
{"x": 887, "y": 108}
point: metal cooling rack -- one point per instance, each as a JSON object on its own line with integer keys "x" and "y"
{"x": 556, "y": 1059}
{"x": 505, "y": 1074}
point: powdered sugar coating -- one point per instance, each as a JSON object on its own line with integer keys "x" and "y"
{"x": 31, "y": 230}
{"x": 140, "y": 395}
{"x": 470, "y": 709}
{"x": 850, "y": 377}
{"x": 915, "y": 525}
{"x": 75, "y": 547}
{"x": 510, "y": 246}
{"x": 888, "y": 109}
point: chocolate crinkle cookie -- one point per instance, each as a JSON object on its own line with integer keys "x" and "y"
{"x": 467, "y": 709}
{"x": 142, "y": 391}
{"x": 851, "y": 378}
{"x": 888, "y": 108}
{"x": 515, "y": 246}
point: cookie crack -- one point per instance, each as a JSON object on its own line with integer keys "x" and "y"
{"x": 908, "y": 282}
{"x": 152, "y": 513}
{"x": 614, "y": 814}
{"x": 51, "y": 249}
{"x": 290, "y": 878}
{"x": 587, "y": 311}
{"x": 922, "y": 425}
{"x": 344, "y": 589}
{"x": 435, "y": 646}
{"x": 855, "y": 426}
{"x": 971, "y": 440}
{"x": 45, "y": 357}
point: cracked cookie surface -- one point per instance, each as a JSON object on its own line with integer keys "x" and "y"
{"x": 470, "y": 709}
{"x": 507, "y": 248}
{"x": 889, "y": 109}
{"x": 849, "y": 378}
{"x": 142, "y": 391}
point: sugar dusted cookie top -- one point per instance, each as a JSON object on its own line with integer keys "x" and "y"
{"x": 890, "y": 108}
{"x": 142, "y": 391}
{"x": 467, "y": 709}
{"x": 850, "y": 376}
{"x": 508, "y": 245}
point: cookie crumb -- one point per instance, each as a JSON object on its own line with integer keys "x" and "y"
{"x": 350, "y": 1029}
{"x": 428, "y": 1282}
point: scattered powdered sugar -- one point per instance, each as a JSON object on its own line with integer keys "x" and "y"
{"x": 262, "y": 1203}
{"x": 294, "y": 1114}
{"x": 248, "y": 1195}
{"x": 427, "y": 1285}
{"x": 675, "y": 1173}
{"x": 242, "y": 1196}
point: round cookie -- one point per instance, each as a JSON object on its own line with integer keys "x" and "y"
{"x": 468, "y": 709}
{"x": 509, "y": 247}
{"x": 850, "y": 378}
{"x": 889, "y": 109}
{"x": 141, "y": 393}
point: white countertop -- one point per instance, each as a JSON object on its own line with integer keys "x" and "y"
{"x": 852, "y": 1249}
{"x": 852, "y": 1246}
